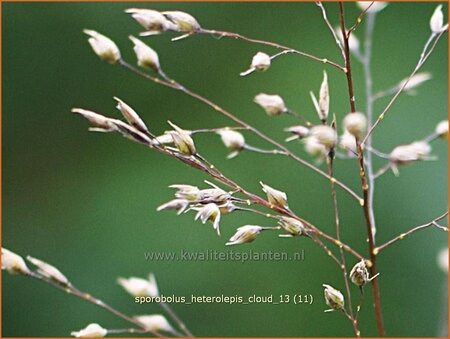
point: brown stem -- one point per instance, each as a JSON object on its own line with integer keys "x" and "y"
{"x": 285, "y": 151}
{"x": 215, "y": 173}
{"x": 269, "y": 43}
{"x": 330, "y": 27}
{"x": 326, "y": 250}
{"x": 411, "y": 231}
{"x": 70, "y": 289}
{"x": 176, "y": 319}
{"x": 359, "y": 19}
{"x": 343, "y": 266}
{"x": 365, "y": 187}
{"x": 204, "y": 166}
{"x": 348, "y": 68}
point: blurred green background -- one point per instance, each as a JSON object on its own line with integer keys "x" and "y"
{"x": 86, "y": 202}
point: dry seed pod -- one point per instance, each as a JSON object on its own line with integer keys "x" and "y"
{"x": 209, "y": 212}
{"x": 274, "y": 196}
{"x": 325, "y": 135}
{"x": 260, "y": 62}
{"x": 131, "y": 116}
{"x": 359, "y": 274}
{"x": 182, "y": 140}
{"x": 155, "y": 323}
{"x": 153, "y": 21}
{"x": 90, "y": 331}
{"x": 348, "y": 143}
{"x": 187, "y": 192}
{"x": 216, "y": 195}
{"x": 145, "y": 55}
{"x": 415, "y": 81}
{"x": 356, "y": 124}
{"x": 100, "y": 122}
{"x": 299, "y": 132}
{"x": 293, "y": 226}
{"x": 371, "y": 6}
{"x": 315, "y": 148}
{"x": 333, "y": 298}
{"x": 403, "y": 154}
{"x": 139, "y": 287}
{"x": 13, "y": 263}
{"x": 232, "y": 140}
{"x": 183, "y": 22}
{"x": 245, "y": 234}
{"x": 437, "y": 21}
{"x": 176, "y": 204}
{"x": 442, "y": 129}
{"x": 272, "y": 104}
{"x": 324, "y": 98}
{"x": 103, "y": 46}
{"x": 48, "y": 271}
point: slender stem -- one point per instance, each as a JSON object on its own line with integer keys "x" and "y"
{"x": 267, "y": 215}
{"x": 376, "y": 152}
{"x": 433, "y": 136}
{"x": 272, "y": 57}
{"x": 176, "y": 319}
{"x": 173, "y": 84}
{"x": 200, "y": 163}
{"x": 382, "y": 170}
{"x": 366, "y": 61}
{"x": 326, "y": 250}
{"x": 348, "y": 68}
{"x": 268, "y": 43}
{"x": 330, "y": 27}
{"x": 365, "y": 186}
{"x": 264, "y": 151}
{"x": 215, "y": 173}
{"x": 300, "y": 117}
{"x": 432, "y": 223}
{"x": 343, "y": 265}
{"x": 218, "y": 129}
{"x": 70, "y": 289}
{"x": 426, "y": 52}
{"x": 359, "y": 19}
{"x": 339, "y": 244}
{"x": 126, "y": 330}
{"x": 360, "y": 303}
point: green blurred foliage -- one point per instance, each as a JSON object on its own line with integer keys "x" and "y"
{"x": 86, "y": 202}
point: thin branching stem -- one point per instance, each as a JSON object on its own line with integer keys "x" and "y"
{"x": 201, "y": 163}
{"x": 364, "y": 182}
{"x": 376, "y": 152}
{"x": 330, "y": 27}
{"x": 382, "y": 170}
{"x": 432, "y": 223}
{"x": 359, "y": 19}
{"x": 343, "y": 266}
{"x": 433, "y": 136}
{"x": 426, "y": 52}
{"x": 238, "y": 36}
{"x": 218, "y": 175}
{"x": 70, "y": 289}
{"x": 367, "y": 67}
{"x": 252, "y": 210}
{"x": 126, "y": 330}
{"x": 285, "y": 151}
{"x": 326, "y": 250}
{"x": 360, "y": 304}
{"x": 218, "y": 129}
{"x": 176, "y": 319}
{"x": 263, "y": 151}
